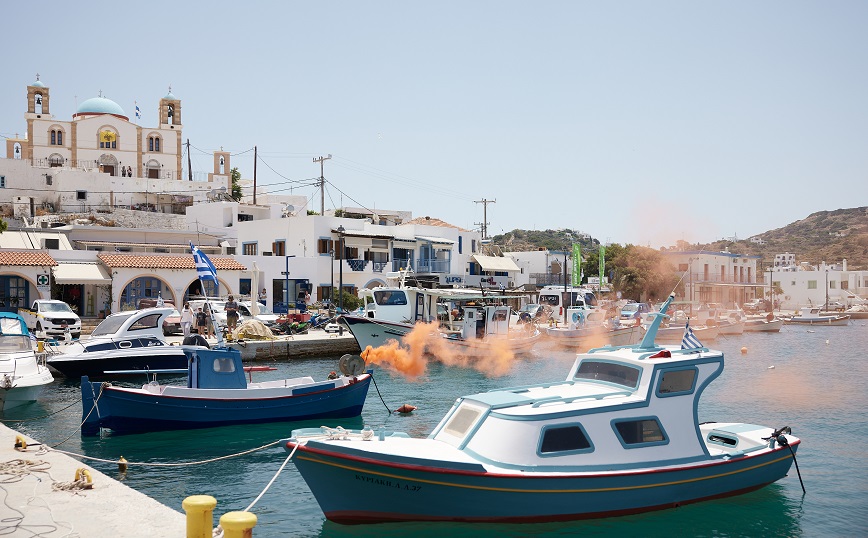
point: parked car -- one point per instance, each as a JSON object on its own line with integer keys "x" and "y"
{"x": 755, "y": 306}
{"x": 265, "y": 315}
{"x": 835, "y": 305}
{"x": 632, "y": 311}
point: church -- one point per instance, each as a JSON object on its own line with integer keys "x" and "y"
{"x": 100, "y": 137}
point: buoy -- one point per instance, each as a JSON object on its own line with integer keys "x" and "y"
{"x": 744, "y": 350}
{"x": 406, "y": 408}
{"x": 772, "y": 367}
{"x": 83, "y": 475}
{"x": 827, "y": 342}
{"x": 122, "y": 465}
{"x": 20, "y": 443}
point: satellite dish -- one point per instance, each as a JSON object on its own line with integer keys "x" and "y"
{"x": 351, "y": 364}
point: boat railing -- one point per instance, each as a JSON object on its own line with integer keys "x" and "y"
{"x": 571, "y": 399}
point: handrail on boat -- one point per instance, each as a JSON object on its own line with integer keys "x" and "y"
{"x": 571, "y": 399}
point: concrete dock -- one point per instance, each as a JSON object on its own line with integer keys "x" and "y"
{"x": 312, "y": 344}
{"x": 32, "y": 506}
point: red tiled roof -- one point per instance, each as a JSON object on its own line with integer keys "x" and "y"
{"x": 26, "y": 257}
{"x": 428, "y": 221}
{"x": 155, "y": 261}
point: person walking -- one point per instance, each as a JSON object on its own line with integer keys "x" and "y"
{"x": 201, "y": 321}
{"x": 186, "y": 319}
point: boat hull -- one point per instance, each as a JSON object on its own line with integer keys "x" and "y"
{"x": 773, "y": 326}
{"x": 96, "y": 363}
{"x": 135, "y": 410}
{"x": 355, "y": 487}
{"x": 23, "y": 395}
{"x": 375, "y": 333}
{"x": 588, "y": 338}
{"x": 836, "y": 321}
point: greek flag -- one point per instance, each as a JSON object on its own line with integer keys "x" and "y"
{"x": 204, "y": 268}
{"x": 690, "y": 341}
{"x": 138, "y": 112}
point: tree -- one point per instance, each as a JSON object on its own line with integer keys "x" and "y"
{"x": 236, "y": 186}
{"x": 3, "y": 226}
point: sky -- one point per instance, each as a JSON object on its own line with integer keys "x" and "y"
{"x": 635, "y": 122}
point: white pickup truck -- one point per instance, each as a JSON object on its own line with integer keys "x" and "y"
{"x": 51, "y": 317}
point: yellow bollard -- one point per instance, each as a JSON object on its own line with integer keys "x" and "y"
{"x": 200, "y": 515}
{"x": 40, "y": 346}
{"x": 238, "y": 524}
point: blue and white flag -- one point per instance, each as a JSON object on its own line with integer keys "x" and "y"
{"x": 204, "y": 268}
{"x": 138, "y": 112}
{"x": 690, "y": 341}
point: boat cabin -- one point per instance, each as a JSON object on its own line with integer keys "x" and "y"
{"x": 126, "y": 330}
{"x": 215, "y": 369}
{"x": 481, "y": 321}
{"x": 405, "y": 305}
{"x": 619, "y": 408}
{"x": 559, "y": 298}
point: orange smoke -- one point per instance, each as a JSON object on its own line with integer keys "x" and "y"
{"x": 424, "y": 344}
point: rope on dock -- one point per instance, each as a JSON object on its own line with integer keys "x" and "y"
{"x": 182, "y": 464}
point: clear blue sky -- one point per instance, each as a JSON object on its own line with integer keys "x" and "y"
{"x": 637, "y": 122}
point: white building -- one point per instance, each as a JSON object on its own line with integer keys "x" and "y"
{"x": 813, "y": 286}
{"x": 717, "y": 277}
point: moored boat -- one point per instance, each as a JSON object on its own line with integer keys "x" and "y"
{"x": 810, "y": 315}
{"x": 217, "y": 393}
{"x": 22, "y": 375}
{"x": 767, "y": 323}
{"x": 589, "y": 328}
{"x": 620, "y": 435}
{"x": 131, "y": 340}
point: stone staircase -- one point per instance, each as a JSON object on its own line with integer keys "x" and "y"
{"x": 88, "y": 325}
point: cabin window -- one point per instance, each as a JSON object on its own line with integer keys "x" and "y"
{"x": 676, "y": 382}
{"x": 610, "y": 372}
{"x": 724, "y": 440}
{"x": 500, "y": 315}
{"x": 462, "y": 420}
{"x": 391, "y": 298}
{"x": 559, "y": 439}
{"x": 223, "y": 365}
{"x": 641, "y": 432}
{"x": 146, "y": 322}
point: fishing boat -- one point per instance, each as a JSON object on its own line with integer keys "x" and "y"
{"x": 620, "y": 435}
{"x": 478, "y": 329}
{"x": 589, "y": 328}
{"x": 131, "y": 340}
{"x": 767, "y": 323}
{"x": 22, "y": 374}
{"x": 810, "y": 315}
{"x": 218, "y": 393}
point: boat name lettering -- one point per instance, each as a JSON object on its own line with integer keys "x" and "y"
{"x": 388, "y": 483}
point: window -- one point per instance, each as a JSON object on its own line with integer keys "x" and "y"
{"x": 608, "y": 371}
{"x": 279, "y": 248}
{"x": 461, "y": 421}
{"x": 81, "y": 195}
{"x": 642, "y": 432}
{"x": 2, "y": 182}
{"x": 59, "y": 138}
{"x": 832, "y": 285}
{"x": 224, "y": 365}
{"x": 53, "y": 138}
{"x": 812, "y": 284}
{"x": 676, "y": 382}
{"x": 564, "y": 439}
{"x": 150, "y": 143}
{"x": 157, "y": 145}
{"x": 244, "y": 218}
{"x": 52, "y": 243}
{"x": 147, "y": 322}
{"x": 390, "y": 298}
{"x": 323, "y": 246}
{"x": 249, "y": 249}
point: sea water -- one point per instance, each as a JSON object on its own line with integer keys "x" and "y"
{"x": 812, "y": 379}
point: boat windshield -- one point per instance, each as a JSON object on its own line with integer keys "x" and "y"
{"x": 611, "y": 372}
{"x": 13, "y": 343}
{"x": 111, "y": 324}
{"x": 393, "y": 297}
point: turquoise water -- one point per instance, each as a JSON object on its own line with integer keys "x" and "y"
{"x": 817, "y": 387}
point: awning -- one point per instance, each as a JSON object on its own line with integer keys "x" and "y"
{"x": 80, "y": 273}
{"x": 496, "y": 263}
{"x": 357, "y": 242}
{"x": 436, "y": 240}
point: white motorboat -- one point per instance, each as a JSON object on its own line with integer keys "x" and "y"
{"x": 588, "y": 328}
{"x": 22, "y": 375}
{"x": 767, "y": 323}
{"x": 810, "y": 315}
{"x": 130, "y": 340}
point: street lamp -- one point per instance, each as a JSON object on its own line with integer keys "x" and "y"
{"x": 332, "y": 275}
{"x": 826, "y": 306}
{"x": 341, "y": 231}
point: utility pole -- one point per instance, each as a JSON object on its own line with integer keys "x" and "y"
{"x": 189, "y": 166}
{"x": 320, "y": 160}
{"x": 255, "y": 158}
{"x": 484, "y": 222}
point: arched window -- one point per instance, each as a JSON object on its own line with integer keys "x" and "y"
{"x": 16, "y": 151}
{"x": 59, "y": 137}
{"x": 154, "y": 143}
{"x": 55, "y": 160}
{"x": 38, "y": 108}
{"x": 108, "y": 138}
{"x": 55, "y": 136}
{"x": 222, "y": 165}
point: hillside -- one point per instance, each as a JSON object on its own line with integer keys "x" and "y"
{"x": 829, "y": 236}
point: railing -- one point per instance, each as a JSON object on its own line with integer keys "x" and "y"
{"x": 401, "y": 263}
{"x": 378, "y": 267}
{"x": 357, "y": 265}
{"x": 698, "y": 278}
{"x": 432, "y": 266}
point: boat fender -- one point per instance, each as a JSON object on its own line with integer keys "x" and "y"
{"x": 122, "y": 465}
{"x": 406, "y": 409}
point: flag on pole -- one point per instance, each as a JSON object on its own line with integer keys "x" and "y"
{"x": 138, "y": 112}
{"x": 690, "y": 341}
{"x": 576, "y": 279}
{"x": 204, "y": 268}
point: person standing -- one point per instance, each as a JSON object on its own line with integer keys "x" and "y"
{"x": 209, "y": 323}
{"x": 186, "y": 319}
{"x": 263, "y": 296}
{"x": 231, "y": 313}
{"x": 201, "y": 321}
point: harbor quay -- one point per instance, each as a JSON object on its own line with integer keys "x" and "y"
{"x": 313, "y": 344}
{"x": 46, "y": 493}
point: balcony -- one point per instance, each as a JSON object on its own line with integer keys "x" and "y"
{"x": 422, "y": 265}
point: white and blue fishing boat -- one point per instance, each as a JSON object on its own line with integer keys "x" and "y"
{"x": 620, "y": 435}
{"x": 23, "y": 373}
{"x": 217, "y": 393}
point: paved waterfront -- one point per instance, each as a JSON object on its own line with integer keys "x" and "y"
{"x": 32, "y": 506}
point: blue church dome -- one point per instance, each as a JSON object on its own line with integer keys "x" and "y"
{"x": 38, "y": 84}
{"x": 100, "y": 105}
